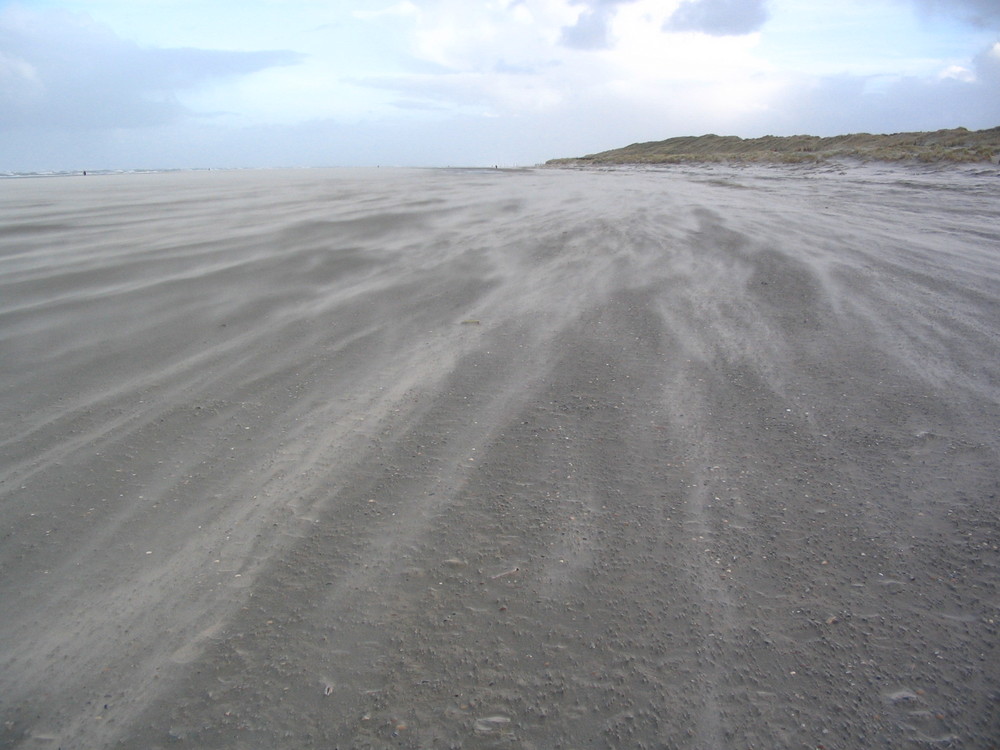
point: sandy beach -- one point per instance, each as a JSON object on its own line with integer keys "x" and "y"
{"x": 698, "y": 458}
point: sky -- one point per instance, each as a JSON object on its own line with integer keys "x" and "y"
{"x": 127, "y": 84}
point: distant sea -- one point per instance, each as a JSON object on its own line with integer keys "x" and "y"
{"x": 96, "y": 172}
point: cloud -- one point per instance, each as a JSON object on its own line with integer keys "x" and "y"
{"x": 844, "y": 104}
{"x": 592, "y": 28}
{"x": 719, "y": 17}
{"x": 589, "y": 32}
{"x": 62, "y": 70}
{"x": 453, "y": 82}
{"x": 982, "y": 13}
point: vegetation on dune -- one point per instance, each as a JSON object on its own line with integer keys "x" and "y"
{"x": 957, "y": 145}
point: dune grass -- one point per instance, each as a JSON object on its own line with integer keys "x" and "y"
{"x": 957, "y": 145}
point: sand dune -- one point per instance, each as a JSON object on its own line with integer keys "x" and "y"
{"x": 705, "y": 458}
{"x": 957, "y": 145}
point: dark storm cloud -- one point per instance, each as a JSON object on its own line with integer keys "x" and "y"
{"x": 719, "y": 17}
{"x": 63, "y": 70}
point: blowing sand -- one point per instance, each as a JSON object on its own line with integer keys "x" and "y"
{"x": 703, "y": 458}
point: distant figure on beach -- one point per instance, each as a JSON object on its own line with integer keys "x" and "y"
{"x": 85, "y": 173}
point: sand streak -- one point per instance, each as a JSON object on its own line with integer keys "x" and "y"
{"x": 700, "y": 458}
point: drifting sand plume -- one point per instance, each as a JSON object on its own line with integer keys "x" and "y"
{"x": 712, "y": 462}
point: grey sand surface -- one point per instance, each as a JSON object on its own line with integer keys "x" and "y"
{"x": 700, "y": 458}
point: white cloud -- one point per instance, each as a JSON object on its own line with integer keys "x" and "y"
{"x": 510, "y": 59}
{"x": 958, "y": 73}
{"x": 463, "y": 36}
